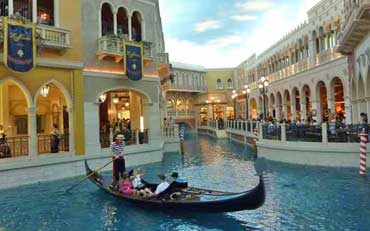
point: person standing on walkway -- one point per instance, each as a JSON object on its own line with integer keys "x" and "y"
{"x": 55, "y": 135}
{"x": 119, "y": 165}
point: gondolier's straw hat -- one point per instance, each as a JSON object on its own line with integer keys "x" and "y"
{"x": 120, "y": 137}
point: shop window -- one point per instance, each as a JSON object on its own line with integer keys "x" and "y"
{"x": 45, "y": 12}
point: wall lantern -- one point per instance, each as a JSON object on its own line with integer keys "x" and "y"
{"x": 45, "y": 91}
{"x": 103, "y": 97}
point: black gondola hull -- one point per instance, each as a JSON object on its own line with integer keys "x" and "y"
{"x": 249, "y": 200}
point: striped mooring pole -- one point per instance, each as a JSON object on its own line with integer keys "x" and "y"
{"x": 182, "y": 137}
{"x": 255, "y": 134}
{"x": 363, "y": 152}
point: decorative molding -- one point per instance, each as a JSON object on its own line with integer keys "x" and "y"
{"x": 116, "y": 76}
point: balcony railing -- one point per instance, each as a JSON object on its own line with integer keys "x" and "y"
{"x": 181, "y": 113}
{"x": 47, "y": 36}
{"x": 133, "y": 138}
{"x": 14, "y": 147}
{"x": 45, "y": 143}
{"x": 187, "y": 87}
{"x": 110, "y": 45}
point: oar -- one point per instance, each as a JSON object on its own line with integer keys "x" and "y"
{"x": 87, "y": 177}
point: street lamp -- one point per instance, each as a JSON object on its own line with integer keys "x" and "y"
{"x": 234, "y": 97}
{"x": 246, "y": 92}
{"x": 212, "y": 102}
{"x": 263, "y": 84}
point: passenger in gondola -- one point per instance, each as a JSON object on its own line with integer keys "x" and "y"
{"x": 138, "y": 182}
{"x": 178, "y": 182}
{"x": 126, "y": 185}
{"x": 162, "y": 186}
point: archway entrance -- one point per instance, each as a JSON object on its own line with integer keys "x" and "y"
{"x": 306, "y": 101}
{"x": 338, "y": 93}
{"x": 323, "y": 102}
{"x": 52, "y": 120}
{"x": 121, "y": 112}
{"x": 253, "y": 106}
{"x": 13, "y": 120}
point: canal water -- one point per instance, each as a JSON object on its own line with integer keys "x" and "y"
{"x": 298, "y": 197}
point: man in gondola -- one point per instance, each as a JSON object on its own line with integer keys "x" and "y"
{"x": 119, "y": 165}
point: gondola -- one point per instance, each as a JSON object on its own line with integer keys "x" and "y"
{"x": 190, "y": 199}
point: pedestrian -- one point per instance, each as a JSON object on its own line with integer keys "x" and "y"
{"x": 119, "y": 165}
{"x": 55, "y": 139}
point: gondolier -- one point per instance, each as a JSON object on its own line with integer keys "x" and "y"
{"x": 119, "y": 166}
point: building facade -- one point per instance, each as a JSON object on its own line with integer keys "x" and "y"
{"x": 317, "y": 72}
{"x": 355, "y": 43}
{"x": 110, "y": 96}
{"x": 51, "y": 94}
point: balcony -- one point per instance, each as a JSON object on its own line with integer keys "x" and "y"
{"x": 187, "y": 88}
{"x": 47, "y": 37}
{"x": 326, "y": 56}
{"x": 175, "y": 114}
{"x": 112, "y": 46}
{"x": 356, "y": 27}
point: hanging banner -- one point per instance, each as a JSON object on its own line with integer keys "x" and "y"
{"x": 133, "y": 60}
{"x": 19, "y": 46}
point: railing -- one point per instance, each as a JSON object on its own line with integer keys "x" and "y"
{"x": 48, "y": 36}
{"x": 132, "y": 137}
{"x": 180, "y": 113}
{"x": 188, "y": 87}
{"x": 53, "y": 37}
{"x": 14, "y": 147}
{"x": 239, "y": 125}
{"x": 346, "y": 133}
{"x": 271, "y": 132}
{"x": 216, "y": 124}
{"x": 45, "y": 143}
{"x": 114, "y": 45}
{"x": 305, "y": 133}
{"x": 170, "y": 131}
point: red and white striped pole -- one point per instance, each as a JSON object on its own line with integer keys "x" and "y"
{"x": 363, "y": 152}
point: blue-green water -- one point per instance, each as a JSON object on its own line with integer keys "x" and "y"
{"x": 298, "y": 197}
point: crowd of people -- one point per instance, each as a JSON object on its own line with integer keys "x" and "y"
{"x": 132, "y": 182}
{"x": 119, "y": 127}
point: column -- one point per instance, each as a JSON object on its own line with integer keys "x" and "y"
{"x": 11, "y": 7}
{"x": 71, "y": 131}
{"x": 324, "y": 130}
{"x": 115, "y": 22}
{"x": 277, "y": 113}
{"x": 129, "y": 27}
{"x": 283, "y": 132}
{"x": 312, "y": 50}
{"x": 303, "y": 109}
{"x": 61, "y": 121}
{"x": 91, "y": 120}
{"x": 348, "y": 111}
{"x": 293, "y": 109}
{"x": 56, "y": 13}
{"x": 32, "y": 132}
{"x": 355, "y": 114}
{"x": 34, "y": 11}
{"x": 152, "y": 121}
{"x": 316, "y": 106}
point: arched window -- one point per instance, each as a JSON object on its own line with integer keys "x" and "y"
{"x": 219, "y": 84}
{"x": 106, "y": 20}
{"x": 122, "y": 22}
{"x": 45, "y": 12}
{"x": 136, "y": 24}
{"x": 229, "y": 83}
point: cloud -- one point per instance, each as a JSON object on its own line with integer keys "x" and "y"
{"x": 225, "y": 41}
{"x": 207, "y": 25}
{"x": 255, "y": 5}
{"x": 243, "y": 17}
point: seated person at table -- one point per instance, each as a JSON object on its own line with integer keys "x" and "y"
{"x": 161, "y": 186}
{"x": 126, "y": 185}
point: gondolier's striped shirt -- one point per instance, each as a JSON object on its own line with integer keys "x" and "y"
{"x": 117, "y": 149}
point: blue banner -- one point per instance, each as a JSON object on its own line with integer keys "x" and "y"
{"x": 133, "y": 60}
{"x": 19, "y": 46}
